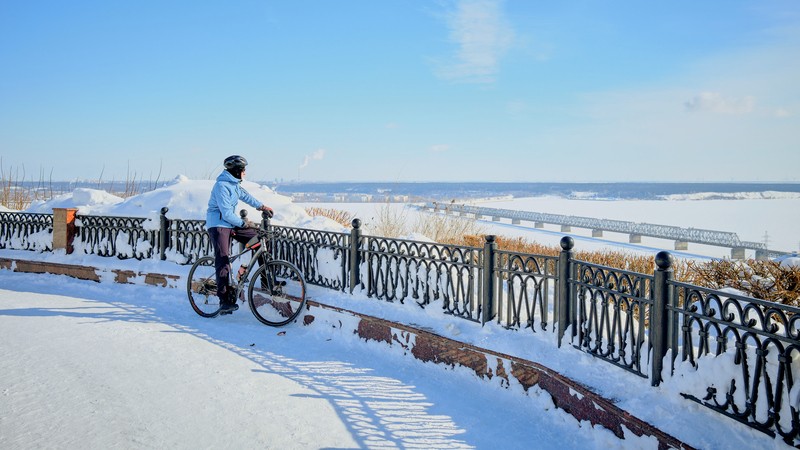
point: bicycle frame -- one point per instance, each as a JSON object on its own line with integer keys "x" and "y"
{"x": 262, "y": 244}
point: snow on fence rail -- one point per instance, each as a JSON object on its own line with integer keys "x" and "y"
{"x": 26, "y": 231}
{"x": 744, "y": 353}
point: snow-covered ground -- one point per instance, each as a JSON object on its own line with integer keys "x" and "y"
{"x": 88, "y": 365}
{"x": 69, "y": 345}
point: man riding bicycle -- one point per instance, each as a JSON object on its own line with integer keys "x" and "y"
{"x": 223, "y": 224}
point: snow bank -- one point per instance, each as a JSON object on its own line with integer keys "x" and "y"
{"x": 186, "y": 199}
{"x": 88, "y": 201}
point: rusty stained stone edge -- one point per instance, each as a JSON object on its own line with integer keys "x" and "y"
{"x": 572, "y": 397}
{"x": 80, "y": 272}
{"x": 85, "y": 272}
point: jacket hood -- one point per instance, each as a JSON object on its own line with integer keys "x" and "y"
{"x": 227, "y": 177}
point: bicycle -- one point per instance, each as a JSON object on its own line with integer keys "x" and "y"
{"x": 276, "y": 290}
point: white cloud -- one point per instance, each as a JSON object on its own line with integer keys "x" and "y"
{"x": 316, "y": 156}
{"x": 716, "y": 103}
{"x": 439, "y": 148}
{"x": 482, "y": 35}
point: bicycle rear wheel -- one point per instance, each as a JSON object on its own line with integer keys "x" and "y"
{"x": 202, "y": 287}
{"x": 277, "y": 293}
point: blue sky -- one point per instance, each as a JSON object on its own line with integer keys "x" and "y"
{"x": 402, "y": 90}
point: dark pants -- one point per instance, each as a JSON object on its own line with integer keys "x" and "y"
{"x": 221, "y": 240}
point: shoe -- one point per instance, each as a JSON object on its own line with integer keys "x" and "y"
{"x": 227, "y": 308}
{"x": 229, "y": 305}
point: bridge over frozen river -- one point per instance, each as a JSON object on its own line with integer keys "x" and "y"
{"x": 635, "y": 231}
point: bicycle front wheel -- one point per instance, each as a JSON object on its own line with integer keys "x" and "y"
{"x": 277, "y": 293}
{"x": 202, "y": 287}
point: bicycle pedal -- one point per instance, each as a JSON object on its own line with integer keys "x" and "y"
{"x": 225, "y": 313}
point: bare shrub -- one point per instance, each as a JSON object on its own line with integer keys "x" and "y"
{"x": 132, "y": 186}
{"x": 389, "y": 222}
{"x": 765, "y": 280}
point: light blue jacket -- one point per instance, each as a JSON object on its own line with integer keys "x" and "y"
{"x": 225, "y": 195}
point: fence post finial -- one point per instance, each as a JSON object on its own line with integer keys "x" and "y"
{"x": 265, "y": 215}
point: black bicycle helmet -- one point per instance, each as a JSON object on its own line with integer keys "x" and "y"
{"x": 235, "y": 162}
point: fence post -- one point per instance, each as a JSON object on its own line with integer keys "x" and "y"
{"x": 488, "y": 294}
{"x": 265, "y": 225}
{"x": 564, "y": 302}
{"x": 163, "y": 233}
{"x": 659, "y": 314}
{"x": 355, "y": 245}
{"x": 64, "y": 228}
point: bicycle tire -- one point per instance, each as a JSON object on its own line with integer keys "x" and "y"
{"x": 201, "y": 287}
{"x": 277, "y": 293}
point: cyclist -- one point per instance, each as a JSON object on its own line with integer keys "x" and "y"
{"x": 223, "y": 224}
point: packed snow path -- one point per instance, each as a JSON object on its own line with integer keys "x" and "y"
{"x": 84, "y": 364}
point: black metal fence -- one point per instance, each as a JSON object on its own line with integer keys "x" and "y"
{"x": 637, "y": 322}
{"x": 122, "y": 237}
{"x": 613, "y": 309}
{"x": 761, "y": 338}
{"x": 322, "y": 256}
{"x": 26, "y": 231}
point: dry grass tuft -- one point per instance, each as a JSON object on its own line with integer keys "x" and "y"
{"x": 617, "y": 260}
{"x": 15, "y": 195}
{"x": 447, "y": 230}
{"x": 343, "y": 217}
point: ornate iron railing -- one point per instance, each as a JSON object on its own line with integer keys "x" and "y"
{"x": 188, "y": 239}
{"x": 526, "y": 289}
{"x": 613, "y": 309}
{"x": 130, "y": 237}
{"x": 397, "y": 269}
{"x": 123, "y": 237}
{"x": 322, "y": 256}
{"x": 26, "y": 231}
{"x": 761, "y": 340}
